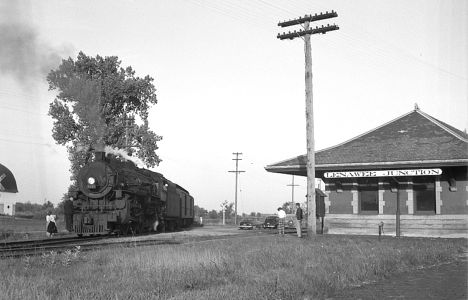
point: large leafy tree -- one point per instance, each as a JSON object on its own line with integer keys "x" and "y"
{"x": 99, "y": 102}
{"x": 229, "y": 210}
{"x": 288, "y": 207}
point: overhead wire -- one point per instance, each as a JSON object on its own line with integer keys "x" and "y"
{"x": 385, "y": 51}
{"x": 26, "y": 142}
{"x": 23, "y": 110}
{"x": 383, "y": 48}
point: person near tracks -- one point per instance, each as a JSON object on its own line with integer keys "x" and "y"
{"x": 68, "y": 212}
{"x": 299, "y": 217}
{"x": 281, "y": 219}
{"x": 51, "y": 226}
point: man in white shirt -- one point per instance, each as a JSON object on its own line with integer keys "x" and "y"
{"x": 281, "y": 219}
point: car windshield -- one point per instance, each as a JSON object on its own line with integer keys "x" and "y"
{"x": 270, "y": 219}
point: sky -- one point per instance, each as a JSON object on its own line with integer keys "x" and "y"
{"x": 226, "y": 84}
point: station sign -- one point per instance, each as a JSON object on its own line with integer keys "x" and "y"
{"x": 383, "y": 173}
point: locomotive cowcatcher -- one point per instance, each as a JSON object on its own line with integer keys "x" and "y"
{"x": 115, "y": 196}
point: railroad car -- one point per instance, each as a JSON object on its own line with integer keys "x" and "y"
{"x": 115, "y": 196}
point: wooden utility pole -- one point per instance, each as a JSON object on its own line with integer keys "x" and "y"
{"x": 292, "y": 185}
{"x": 397, "y": 213}
{"x": 306, "y": 33}
{"x": 237, "y": 173}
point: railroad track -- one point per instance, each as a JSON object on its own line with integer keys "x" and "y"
{"x": 32, "y": 243}
{"x": 59, "y": 245}
{"x": 37, "y": 247}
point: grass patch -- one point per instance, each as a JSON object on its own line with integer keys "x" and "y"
{"x": 261, "y": 267}
{"x": 17, "y": 228}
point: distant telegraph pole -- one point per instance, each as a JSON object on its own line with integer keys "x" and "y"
{"x": 306, "y": 33}
{"x": 292, "y": 185}
{"x": 237, "y": 173}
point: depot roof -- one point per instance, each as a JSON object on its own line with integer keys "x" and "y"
{"x": 415, "y": 139}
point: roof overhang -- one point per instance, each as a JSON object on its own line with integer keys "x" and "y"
{"x": 301, "y": 170}
{"x": 414, "y": 140}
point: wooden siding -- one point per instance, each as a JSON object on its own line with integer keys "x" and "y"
{"x": 410, "y": 225}
{"x": 454, "y": 201}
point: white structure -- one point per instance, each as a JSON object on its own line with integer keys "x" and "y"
{"x": 7, "y": 203}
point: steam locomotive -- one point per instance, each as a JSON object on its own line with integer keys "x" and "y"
{"x": 115, "y": 196}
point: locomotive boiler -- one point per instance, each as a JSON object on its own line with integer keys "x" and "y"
{"x": 115, "y": 196}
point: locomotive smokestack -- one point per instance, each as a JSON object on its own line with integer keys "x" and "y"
{"x": 99, "y": 151}
{"x": 100, "y": 156}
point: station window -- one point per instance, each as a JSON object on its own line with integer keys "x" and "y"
{"x": 424, "y": 194}
{"x": 368, "y": 189}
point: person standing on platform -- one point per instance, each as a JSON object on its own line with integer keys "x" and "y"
{"x": 68, "y": 212}
{"x": 299, "y": 220}
{"x": 51, "y": 227}
{"x": 47, "y": 223}
{"x": 281, "y": 219}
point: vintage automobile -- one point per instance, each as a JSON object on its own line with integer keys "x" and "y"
{"x": 290, "y": 221}
{"x": 247, "y": 224}
{"x": 271, "y": 222}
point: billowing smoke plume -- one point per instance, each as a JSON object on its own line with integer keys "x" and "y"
{"x": 121, "y": 153}
{"x": 25, "y": 59}
{"x": 22, "y": 54}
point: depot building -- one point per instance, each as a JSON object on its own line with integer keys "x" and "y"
{"x": 410, "y": 175}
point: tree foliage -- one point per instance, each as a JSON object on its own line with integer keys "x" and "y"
{"x": 288, "y": 207}
{"x": 99, "y": 102}
{"x": 199, "y": 211}
{"x": 213, "y": 214}
{"x": 229, "y": 211}
{"x": 34, "y": 210}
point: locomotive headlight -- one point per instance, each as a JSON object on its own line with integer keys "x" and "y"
{"x": 91, "y": 180}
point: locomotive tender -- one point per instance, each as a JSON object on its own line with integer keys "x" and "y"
{"x": 115, "y": 196}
